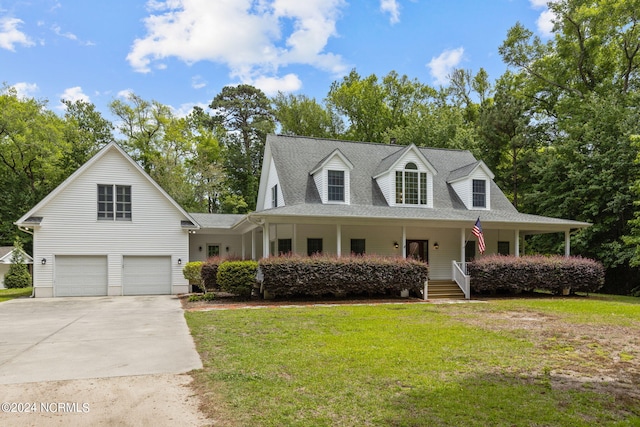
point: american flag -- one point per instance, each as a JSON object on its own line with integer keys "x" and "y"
{"x": 477, "y": 231}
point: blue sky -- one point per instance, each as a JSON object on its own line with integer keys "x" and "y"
{"x": 182, "y": 52}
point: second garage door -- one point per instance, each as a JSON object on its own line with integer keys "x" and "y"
{"x": 147, "y": 275}
{"x": 80, "y": 276}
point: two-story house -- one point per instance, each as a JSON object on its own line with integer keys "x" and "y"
{"x": 109, "y": 229}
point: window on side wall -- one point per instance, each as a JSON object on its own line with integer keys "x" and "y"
{"x": 114, "y": 202}
{"x": 503, "y": 248}
{"x": 314, "y": 246}
{"x": 357, "y": 246}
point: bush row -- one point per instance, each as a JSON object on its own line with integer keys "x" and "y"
{"x": 325, "y": 275}
{"x": 551, "y": 273}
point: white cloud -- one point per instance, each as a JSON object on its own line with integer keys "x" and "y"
{"x": 442, "y": 66}
{"x": 25, "y": 90}
{"x": 124, "y": 93}
{"x": 11, "y": 36}
{"x": 254, "y": 38}
{"x": 74, "y": 94}
{"x": 392, "y": 8}
{"x": 198, "y": 82}
{"x": 544, "y": 22}
{"x": 271, "y": 85}
{"x": 56, "y": 29}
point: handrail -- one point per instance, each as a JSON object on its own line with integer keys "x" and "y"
{"x": 460, "y": 276}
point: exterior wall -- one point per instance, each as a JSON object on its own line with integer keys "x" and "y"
{"x": 272, "y": 180}
{"x": 70, "y": 226}
{"x": 199, "y": 242}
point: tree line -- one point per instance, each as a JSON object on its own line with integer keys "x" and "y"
{"x": 560, "y": 129}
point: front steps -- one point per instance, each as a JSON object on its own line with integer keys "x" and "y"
{"x": 444, "y": 289}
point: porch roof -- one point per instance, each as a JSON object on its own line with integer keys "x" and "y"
{"x": 443, "y": 217}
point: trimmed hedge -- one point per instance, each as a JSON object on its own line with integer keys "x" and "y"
{"x": 209, "y": 270}
{"x": 551, "y": 273}
{"x": 237, "y": 277}
{"x": 324, "y": 275}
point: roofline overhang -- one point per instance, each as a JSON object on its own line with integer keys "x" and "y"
{"x": 525, "y": 227}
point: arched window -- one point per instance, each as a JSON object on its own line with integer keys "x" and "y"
{"x": 411, "y": 186}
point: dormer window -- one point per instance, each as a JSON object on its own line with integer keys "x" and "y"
{"x": 411, "y": 186}
{"x": 335, "y": 182}
{"x": 479, "y": 193}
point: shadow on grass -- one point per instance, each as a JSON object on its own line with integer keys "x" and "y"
{"x": 507, "y": 400}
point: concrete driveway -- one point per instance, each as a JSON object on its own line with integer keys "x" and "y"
{"x": 52, "y": 339}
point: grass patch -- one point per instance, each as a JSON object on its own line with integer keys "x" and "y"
{"x": 397, "y": 365}
{"x": 7, "y": 294}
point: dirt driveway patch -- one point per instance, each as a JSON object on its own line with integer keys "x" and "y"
{"x": 145, "y": 400}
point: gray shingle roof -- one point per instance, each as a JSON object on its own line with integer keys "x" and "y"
{"x": 296, "y": 156}
{"x": 206, "y": 220}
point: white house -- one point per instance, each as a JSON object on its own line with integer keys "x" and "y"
{"x": 6, "y": 256}
{"x": 109, "y": 229}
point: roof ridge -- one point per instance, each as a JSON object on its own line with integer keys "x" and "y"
{"x": 400, "y": 146}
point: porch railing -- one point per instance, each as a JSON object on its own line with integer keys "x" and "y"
{"x": 460, "y": 276}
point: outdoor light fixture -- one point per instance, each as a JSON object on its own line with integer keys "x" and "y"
{"x": 179, "y": 261}
{"x": 396, "y": 245}
{"x": 200, "y": 248}
{"x": 44, "y": 261}
{"x": 436, "y": 246}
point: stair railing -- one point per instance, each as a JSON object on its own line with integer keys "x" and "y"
{"x": 460, "y": 276}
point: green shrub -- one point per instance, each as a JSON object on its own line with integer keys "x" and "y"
{"x": 209, "y": 270}
{"x": 17, "y": 277}
{"x": 191, "y": 272}
{"x": 237, "y": 277}
{"x": 209, "y": 296}
{"x": 325, "y": 275}
{"x": 551, "y": 273}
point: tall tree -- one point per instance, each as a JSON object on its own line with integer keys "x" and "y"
{"x": 245, "y": 112}
{"x": 583, "y": 87}
{"x": 31, "y": 147}
{"x": 301, "y": 115}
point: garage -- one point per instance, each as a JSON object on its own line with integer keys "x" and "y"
{"x": 146, "y": 275}
{"x": 80, "y": 276}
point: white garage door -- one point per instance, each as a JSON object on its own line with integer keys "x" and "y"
{"x": 147, "y": 275}
{"x": 80, "y": 276}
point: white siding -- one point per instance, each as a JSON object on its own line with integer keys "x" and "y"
{"x": 321, "y": 179}
{"x": 70, "y": 225}
{"x": 387, "y": 182}
{"x": 272, "y": 180}
{"x": 464, "y": 189}
{"x": 199, "y": 242}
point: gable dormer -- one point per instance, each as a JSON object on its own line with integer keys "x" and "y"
{"x": 332, "y": 176}
{"x": 406, "y": 178}
{"x": 472, "y": 184}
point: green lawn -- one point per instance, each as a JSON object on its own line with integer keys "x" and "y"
{"x": 7, "y": 294}
{"x": 512, "y": 362}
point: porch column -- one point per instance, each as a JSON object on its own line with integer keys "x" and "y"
{"x": 517, "y": 239}
{"x": 294, "y": 246}
{"x": 253, "y": 244}
{"x": 266, "y": 240}
{"x": 338, "y": 240}
{"x": 463, "y": 244}
{"x": 242, "y": 245}
{"x": 404, "y": 242}
{"x": 567, "y": 243}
